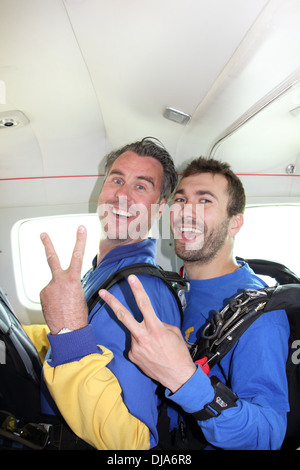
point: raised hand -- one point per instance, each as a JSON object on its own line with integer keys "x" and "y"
{"x": 156, "y": 347}
{"x": 63, "y": 300}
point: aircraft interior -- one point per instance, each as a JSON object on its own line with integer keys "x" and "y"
{"x": 80, "y": 78}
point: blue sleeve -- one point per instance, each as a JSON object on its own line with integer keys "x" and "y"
{"x": 256, "y": 371}
{"x": 72, "y": 346}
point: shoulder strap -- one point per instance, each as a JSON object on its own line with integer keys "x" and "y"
{"x": 281, "y": 273}
{"x": 227, "y": 326}
{"x": 177, "y": 285}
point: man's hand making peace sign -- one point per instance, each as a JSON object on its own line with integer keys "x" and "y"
{"x": 63, "y": 300}
{"x": 157, "y": 348}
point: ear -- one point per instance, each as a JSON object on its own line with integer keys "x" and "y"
{"x": 236, "y": 224}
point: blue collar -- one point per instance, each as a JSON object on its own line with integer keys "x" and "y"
{"x": 145, "y": 247}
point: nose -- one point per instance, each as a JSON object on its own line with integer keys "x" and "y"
{"x": 124, "y": 195}
{"x": 194, "y": 210}
{"x": 189, "y": 211}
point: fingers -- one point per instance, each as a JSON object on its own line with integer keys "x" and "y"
{"x": 51, "y": 255}
{"x": 143, "y": 302}
{"x": 78, "y": 252}
{"x": 121, "y": 312}
{"x": 77, "y": 256}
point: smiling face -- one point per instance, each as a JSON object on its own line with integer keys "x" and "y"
{"x": 200, "y": 224}
{"x": 130, "y": 198}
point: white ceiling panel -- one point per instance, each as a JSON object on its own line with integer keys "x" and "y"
{"x": 46, "y": 78}
{"x": 143, "y": 56}
{"x": 95, "y": 74}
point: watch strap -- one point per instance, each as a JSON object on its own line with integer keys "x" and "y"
{"x": 224, "y": 398}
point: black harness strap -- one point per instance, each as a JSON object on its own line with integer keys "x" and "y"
{"x": 176, "y": 284}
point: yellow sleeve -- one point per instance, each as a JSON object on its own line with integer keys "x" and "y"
{"x": 38, "y": 335}
{"x": 89, "y": 397}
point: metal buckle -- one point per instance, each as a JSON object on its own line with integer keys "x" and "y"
{"x": 236, "y": 305}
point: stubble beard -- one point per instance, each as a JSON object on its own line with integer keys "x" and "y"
{"x": 212, "y": 244}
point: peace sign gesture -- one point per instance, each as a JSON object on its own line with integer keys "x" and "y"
{"x": 156, "y": 347}
{"x": 63, "y": 300}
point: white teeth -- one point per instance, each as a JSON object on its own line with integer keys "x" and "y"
{"x": 121, "y": 212}
{"x": 191, "y": 229}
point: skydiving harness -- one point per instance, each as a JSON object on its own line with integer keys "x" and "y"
{"x": 217, "y": 339}
{"x": 226, "y": 326}
{"x": 223, "y": 331}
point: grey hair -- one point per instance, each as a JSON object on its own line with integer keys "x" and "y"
{"x": 147, "y": 148}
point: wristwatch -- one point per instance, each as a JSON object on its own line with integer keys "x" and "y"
{"x": 63, "y": 331}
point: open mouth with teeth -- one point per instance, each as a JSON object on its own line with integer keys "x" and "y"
{"x": 188, "y": 233}
{"x": 121, "y": 213}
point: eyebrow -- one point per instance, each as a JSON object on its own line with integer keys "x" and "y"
{"x": 141, "y": 177}
{"x": 199, "y": 192}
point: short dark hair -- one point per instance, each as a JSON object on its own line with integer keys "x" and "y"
{"x": 148, "y": 148}
{"x": 237, "y": 197}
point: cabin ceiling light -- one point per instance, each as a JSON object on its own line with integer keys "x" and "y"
{"x": 295, "y": 112}
{"x": 177, "y": 116}
{"x": 13, "y": 119}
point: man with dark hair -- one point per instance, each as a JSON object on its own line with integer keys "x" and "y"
{"x": 251, "y": 378}
{"x": 235, "y": 189}
{"x": 104, "y": 398}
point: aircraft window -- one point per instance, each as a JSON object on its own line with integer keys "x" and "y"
{"x": 30, "y": 266}
{"x": 271, "y": 232}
